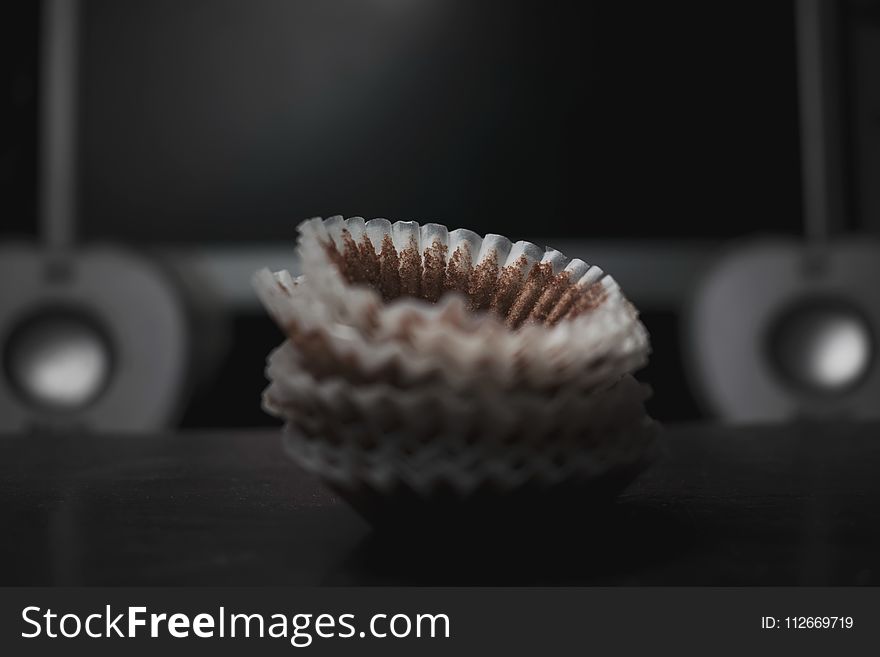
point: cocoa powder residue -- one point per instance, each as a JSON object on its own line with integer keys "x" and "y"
{"x": 540, "y": 297}
{"x": 538, "y": 279}
{"x": 370, "y": 261}
{"x": 510, "y": 281}
{"x": 434, "y": 271}
{"x": 589, "y": 299}
{"x": 389, "y": 270}
{"x": 561, "y": 308}
{"x": 458, "y": 271}
{"x": 353, "y": 267}
{"x": 483, "y": 283}
{"x": 555, "y": 288}
{"x": 411, "y": 270}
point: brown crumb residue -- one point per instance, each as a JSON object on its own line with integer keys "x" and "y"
{"x": 434, "y": 271}
{"x": 411, "y": 270}
{"x": 510, "y": 281}
{"x": 389, "y": 270}
{"x": 541, "y": 297}
{"x": 354, "y": 268}
{"x": 538, "y": 279}
{"x": 369, "y": 260}
{"x": 553, "y": 291}
{"x": 589, "y": 299}
{"x": 458, "y": 270}
{"x": 483, "y": 283}
{"x": 562, "y": 306}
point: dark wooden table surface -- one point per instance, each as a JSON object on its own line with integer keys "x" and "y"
{"x": 795, "y": 504}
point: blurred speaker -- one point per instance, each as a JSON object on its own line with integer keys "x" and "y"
{"x": 100, "y": 340}
{"x": 780, "y": 330}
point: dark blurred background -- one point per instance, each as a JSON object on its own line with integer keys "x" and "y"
{"x": 649, "y": 138}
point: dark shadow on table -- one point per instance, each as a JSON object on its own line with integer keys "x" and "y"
{"x": 609, "y": 543}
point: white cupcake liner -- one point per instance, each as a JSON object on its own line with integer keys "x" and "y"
{"x": 518, "y": 282}
{"x": 422, "y": 359}
{"x": 414, "y": 341}
{"x": 434, "y": 413}
{"x": 542, "y": 287}
{"x": 392, "y": 465}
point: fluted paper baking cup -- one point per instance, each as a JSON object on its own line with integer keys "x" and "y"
{"x": 435, "y": 413}
{"x": 517, "y": 282}
{"x": 412, "y": 341}
{"x": 425, "y": 360}
{"x": 383, "y": 278}
{"x": 425, "y": 469}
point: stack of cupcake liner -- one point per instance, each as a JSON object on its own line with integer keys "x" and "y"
{"x": 424, "y": 359}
